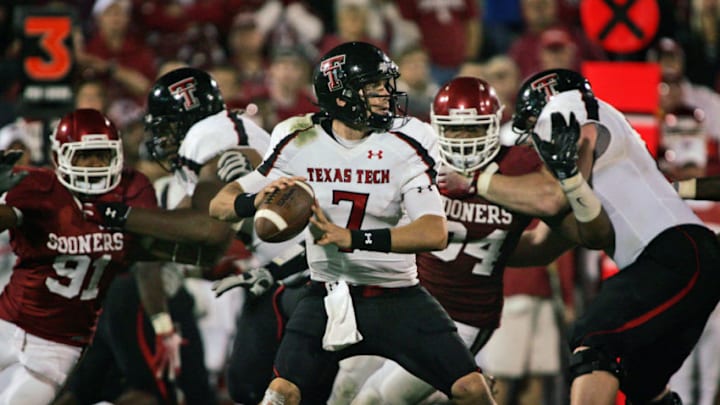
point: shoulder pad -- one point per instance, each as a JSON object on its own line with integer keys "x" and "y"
{"x": 38, "y": 179}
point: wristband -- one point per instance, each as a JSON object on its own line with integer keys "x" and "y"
{"x": 686, "y": 188}
{"x": 377, "y": 240}
{"x": 162, "y": 323}
{"x": 583, "y": 201}
{"x": 245, "y": 205}
{"x": 483, "y": 181}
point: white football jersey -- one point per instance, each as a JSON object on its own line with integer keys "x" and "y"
{"x": 641, "y": 203}
{"x": 367, "y": 184}
{"x": 210, "y": 137}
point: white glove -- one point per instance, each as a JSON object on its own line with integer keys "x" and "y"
{"x": 232, "y": 165}
{"x": 257, "y": 281}
{"x": 167, "y": 347}
{"x": 167, "y": 355}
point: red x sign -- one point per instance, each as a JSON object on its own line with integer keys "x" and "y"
{"x": 620, "y": 26}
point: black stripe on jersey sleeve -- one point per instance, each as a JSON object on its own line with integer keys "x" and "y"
{"x": 191, "y": 164}
{"x": 239, "y": 128}
{"x": 269, "y": 163}
{"x": 422, "y": 152}
{"x": 591, "y": 106}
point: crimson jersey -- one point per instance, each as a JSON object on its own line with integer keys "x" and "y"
{"x": 65, "y": 263}
{"x": 467, "y": 277}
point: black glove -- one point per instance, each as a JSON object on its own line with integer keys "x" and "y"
{"x": 111, "y": 215}
{"x": 561, "y": 153}
{"x": 8, "y": 179}
{"x": 232, "y": 165}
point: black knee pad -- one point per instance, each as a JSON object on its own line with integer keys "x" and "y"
{"x": 589, "y": 360}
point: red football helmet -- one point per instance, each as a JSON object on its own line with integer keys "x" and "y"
{"x": 467, "y": 102}
{"x": 78, "y": 132}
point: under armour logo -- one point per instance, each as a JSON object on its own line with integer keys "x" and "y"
{"x": 546, "y": 84}
{"x": 110, "y": 213}
{"x": 185, "y": 88}
{"x": 368, "y": 238}
{"x": 332, "y": 69}
{"x": 378, "y": 154}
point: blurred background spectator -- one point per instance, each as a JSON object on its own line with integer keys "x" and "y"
{"x": 450, "y": 32}
{"x": 699, "y": 36}
{"x": 287, "y": 84}
{"x": 558, "y": 50}
{"x": 684, "y": 145}
{"x": 677, "y": 91}
{"x": 539, "y": 16}
{"x": 353, "y": 23}
{"x": 415, "y": 79}
{"x": 503, "y": 74}
{"x": 125, "y": 64}
{"x": 91, "y": 94}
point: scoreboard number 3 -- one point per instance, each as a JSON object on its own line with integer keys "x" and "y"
{"x": 54, "y": 33}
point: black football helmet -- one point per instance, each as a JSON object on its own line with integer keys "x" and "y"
{"x": 178, "y": 100}
{"x": 537, "y": 90}
{"x": 342, "y": 73}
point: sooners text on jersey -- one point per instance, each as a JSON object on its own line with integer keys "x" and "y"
{"x": 65, "y": 263}
{"x": 466, "y": 277}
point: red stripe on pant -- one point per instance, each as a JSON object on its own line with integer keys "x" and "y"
{"x": 147, "y": 353}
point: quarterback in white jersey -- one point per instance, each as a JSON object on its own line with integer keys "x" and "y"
{"x": 373, "y": 172}
{"x": 638, "y": 330}
{"x": 362, "y": 186}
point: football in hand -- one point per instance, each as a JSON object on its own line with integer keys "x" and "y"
{"x": 284, "y": 213}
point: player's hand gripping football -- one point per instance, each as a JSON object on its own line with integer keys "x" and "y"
{"x": 326, "y": 232}
{"x": 560, "y": 154}
{"x": 8, "y": 178}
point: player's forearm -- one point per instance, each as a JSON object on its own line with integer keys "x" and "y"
{"x": 427, "y": 233}
{"x": 538, "y": 247}
{"x": 150, "y": 286}
{"x": 589, "y": 224}
{"x": 222, "y": 206}
{"x": 701, "y": 188}
{"x": 9, "y": 217}
{"x": 536, "y": 194}
{"x": 182, "y": 225}
{"x": 187, "y": 253}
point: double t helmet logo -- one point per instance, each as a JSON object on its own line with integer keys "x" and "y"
{"x": 185, "y": 88}
{"x": 331, "y": 68}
